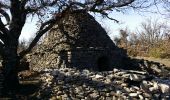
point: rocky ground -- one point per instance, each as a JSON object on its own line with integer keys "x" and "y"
{"x": 73, "y": 84}
{"x": 117, "y": 84}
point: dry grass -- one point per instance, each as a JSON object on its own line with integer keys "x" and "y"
{"x": 163, "y": 61}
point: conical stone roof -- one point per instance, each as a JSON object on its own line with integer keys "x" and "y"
{"x": 78, "y": 29}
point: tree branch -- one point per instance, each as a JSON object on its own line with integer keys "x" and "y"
{"x": 111, "y": 18}
{"x": 5, "y": 6}
{"x": 5, "y": 15}
{"x": 43, "y": 5}
{"x": 119, "y": 4}
{"x": 43, "y": 29}
{"x": 1, "y": 48}
{"x": 3, "y": 28}
{"x": 2, "y": 37}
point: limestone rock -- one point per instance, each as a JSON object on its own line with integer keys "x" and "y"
{"x": 164, "y": 88}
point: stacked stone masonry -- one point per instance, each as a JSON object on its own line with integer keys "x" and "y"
{"x": 77, "y": 40}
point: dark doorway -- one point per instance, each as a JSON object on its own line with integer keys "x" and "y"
{"x": 103, "y": 63}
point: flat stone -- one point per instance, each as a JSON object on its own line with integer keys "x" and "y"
{"x": 107, "y": 94}
{"x": 141, "y": 97}
{"x": 135, "y": 77}
{"x": 124, "y": 85}
{"x": 85, "y": 71}
{"x": 109, "y": 98}
{"x": 53, "y": 98}
{"x": 156, "y": 69}
{"x": 94, "y": 95}
{"x": 156, "y": 96}
{"x": 59, "y": 93}
{"x": 164, "y": 88}
{"x": 147, "y": 95}
{"x": 110, "y": 76}
{"x": 115, "y": 70}
{"x": 144, "y": 85}
{"x": 127, "y": 89}
{"x": 108, "y": 81}
{"x": 98, "y": 76}
{"x": 133, "y": 94}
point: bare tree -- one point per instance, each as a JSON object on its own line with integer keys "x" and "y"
{"x": 122, "y": 40}
{"x": 151, "y": 32}
{"x": 166, "y": 5}
{"x": 49, "y": 12}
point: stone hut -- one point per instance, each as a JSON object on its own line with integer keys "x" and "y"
{"x": 77, "y": 40}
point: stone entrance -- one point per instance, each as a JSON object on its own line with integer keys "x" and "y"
{"x": 103, "y": 63}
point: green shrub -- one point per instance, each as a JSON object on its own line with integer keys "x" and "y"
{"x": 159, "y": 52}
{"x": 155, "y": 52}
{"x": 132, "y": 52}
{"x": 165, "y": 55}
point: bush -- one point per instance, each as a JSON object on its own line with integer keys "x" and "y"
{"x": 155, "y": 52}
{"x": 165, "y": 55}
{"x": 132, "y": 52}
{"x": 159, "y": 52}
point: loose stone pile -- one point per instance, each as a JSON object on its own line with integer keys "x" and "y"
{"x": 72, "y": 84}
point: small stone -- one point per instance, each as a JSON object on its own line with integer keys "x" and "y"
{"x": 156, "y": 96}
{"x": 59, "y": 93}
{"x": 141, "y": 97}
{"x": 156, "y": 69}
{"x": 114, "y": 98}
{"x": 98, "y": 76}
{"x": 155, "y": 85}
{"x": 123, "y": 84}
{"x": 164, "y": 88}
{"x": 147, "y": 98}
{"x": 94, "y": 95}
{"x": 108, "y": 98}
{"x": 85, "y": 71}
{"x": 79, "y": 96}
{"x": 53, "y": 98}
{"x": 115, "y": 70}
{"x": 54, "y": 73}
{"x": 133, "y": 94}
{"x": 77, "y": 73}
{"x": 108, "y": 81}
{"x": 147, "y": 95}
{"x": 107, "y": 94}
{"x": 135, "y": 88}
{"x": 151, "y": 89}
{"x": 127, "y": 89}
{"x": 144, "y": 85}
{"x": 110, "y": 76}
{"x": 134, "y": 77}
{"x": 118, "y": 92}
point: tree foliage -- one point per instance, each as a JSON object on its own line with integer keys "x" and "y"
{"x": 151, "y": 40}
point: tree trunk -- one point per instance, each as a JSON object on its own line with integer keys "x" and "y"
{"x": 10, "y": 63}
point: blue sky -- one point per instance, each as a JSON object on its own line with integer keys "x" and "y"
{"x": 131, "y": 20}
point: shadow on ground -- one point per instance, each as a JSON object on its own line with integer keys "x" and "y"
{"x": 66, "y": 82}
